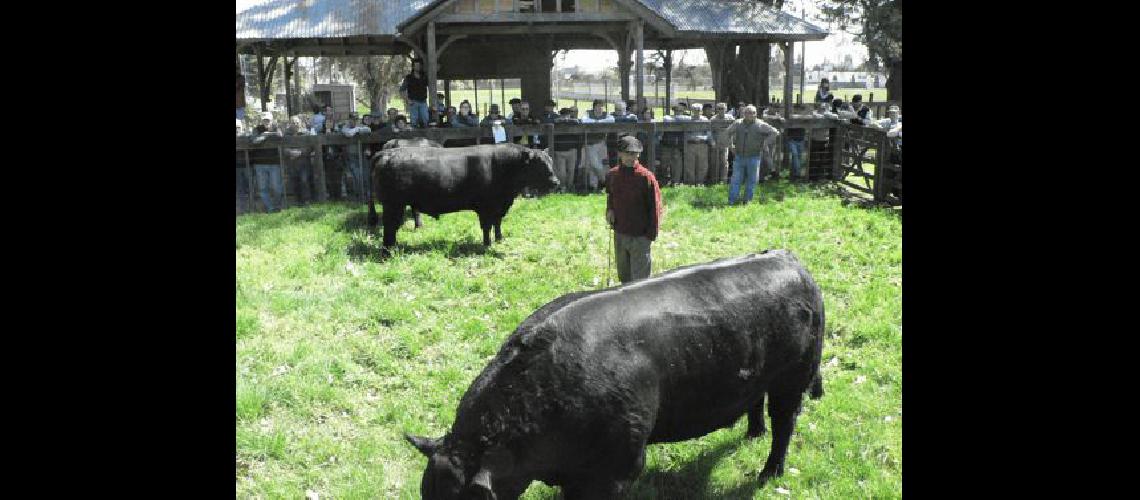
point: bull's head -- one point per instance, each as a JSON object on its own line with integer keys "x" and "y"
{"x": 538, "y": 174}
{"x": 447, "y": 477}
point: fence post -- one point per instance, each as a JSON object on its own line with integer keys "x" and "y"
{"x": 322, "y": 186}
{"x": 805, "y": 166}
{"x": 880, "y": 168}
{"x": 651, "y": 148}
{"x": 837, "y": 152}
{"x": 284, "y": 174}
{"x": 249, "y": 179}
{"x": 548, "y": 135}
{"x": 359, "y": 178}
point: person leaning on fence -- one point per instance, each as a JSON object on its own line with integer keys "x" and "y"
{"x": 493, "y": 115}
{"x": 514, "y": 103}
{"x": 718, "y": 162}
{"x": 894, "y": 117}
{"x": 356, "y": 164}
{"x": 672, "y": 145}
{"x": 240, "y": 96}
{"x": 267, "y": 164}
{"x": 414, "y": 90}
{"x": 751, "y": 138}
{"x": 823, "y": 92}
{"x": 633, "y": 210}
{"x": 696, "y": 150}
{"x": 549, "y": 115}
{"x": 523, "y": 117}
{"x": 465, "y": 118}
{"x": 593, "y": 166}
{"x": 565, "y": 152}
{"x": 299, "y": 160}
{"x": 620, "y": 115}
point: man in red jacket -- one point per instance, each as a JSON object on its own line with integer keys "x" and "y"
{"x": 633, "y": 210}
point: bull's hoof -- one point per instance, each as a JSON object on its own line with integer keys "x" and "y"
{"x": 768, "y": 474}
{"x": 385, "y": 252}
{"x": 755, "y": 432}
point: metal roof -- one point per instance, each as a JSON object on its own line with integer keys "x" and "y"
{"x": 290, "y": 19}
{"x": 730, "y": 16}
{"x": 283, "y": 19}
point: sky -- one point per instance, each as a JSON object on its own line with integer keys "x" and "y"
{"x": 833, "y": 48}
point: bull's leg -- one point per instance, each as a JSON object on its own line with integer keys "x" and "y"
{"x": 393, "y": 218}
{"x": 485, "y": 223}
{"x": 373, "y": 219}
{"x": 756, "y": 419}
{"x": 510, "y": 489}
{"x": 499, "y": 229}
{"x": 783, "y": 407}
{"x": 416, "y": 216}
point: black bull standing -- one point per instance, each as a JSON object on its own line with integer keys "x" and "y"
{"x": 485, "y": 179}
{"x": 583, "y": 384}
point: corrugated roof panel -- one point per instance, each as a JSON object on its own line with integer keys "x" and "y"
{"x": 730, "y": 16}
{"x": 280, "y": 19}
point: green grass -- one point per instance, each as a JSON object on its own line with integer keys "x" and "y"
{"x": 340, "y": 352}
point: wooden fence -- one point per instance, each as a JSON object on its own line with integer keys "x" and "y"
{"x": 848, "y": 148}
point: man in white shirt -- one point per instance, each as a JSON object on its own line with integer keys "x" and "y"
{"x": 593, "y": 169}
{"x": 893, "y": 118}
{"x": 718, "y": 164}
{"x": 696, "y": 159}
{"x": 360, "y": 182}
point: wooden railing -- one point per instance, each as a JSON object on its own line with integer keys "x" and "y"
{"x": 840, "y": 155}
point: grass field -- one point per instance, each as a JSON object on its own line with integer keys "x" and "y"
{"x": 340, "y": 352}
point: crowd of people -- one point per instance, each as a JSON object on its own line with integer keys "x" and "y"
{"x": 741, "y": 154}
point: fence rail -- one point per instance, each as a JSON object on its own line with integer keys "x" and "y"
{"x": 846, "y": 150}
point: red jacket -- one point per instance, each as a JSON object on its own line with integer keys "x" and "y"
{"x": 635, "y": 198}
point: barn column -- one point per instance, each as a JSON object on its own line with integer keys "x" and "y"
{"x": 431, "y": 68}
{"x": 288, "y": 92}
{"x": 639, "y": 73}
{"x": 260, "y": 79}
{"x": 623, "y": 73}
{"x": 789, "y": 49}
{"x": 668, "y": 81}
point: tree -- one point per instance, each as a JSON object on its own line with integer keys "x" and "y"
{"x": 877, "y": 24}
{"x": 379, "y": 75}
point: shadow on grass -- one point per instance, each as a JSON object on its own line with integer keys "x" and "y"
{"x": 357, "y": 220}
{"x": 691, "y": 481}
{"x": 360, "y": 250}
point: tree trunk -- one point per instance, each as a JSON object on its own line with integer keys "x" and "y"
{"x": 894, "y": 81}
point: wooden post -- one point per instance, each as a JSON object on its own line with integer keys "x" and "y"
{"x": 260, "y": 78}
{"x": 668, "y": 81}
{"x": 288, "y": 92}
{"x": 431, "y": 71}
{"x": 881, "y": 156}
{"x": 503, "y": 94}
{"x": 249, "y": 179}
{"x": 806, "y": 165}
{"x": 548, "y": 134}
{"x": 651, "y": 149}
{"x": 299, "y": 107}
{"x": 360, "y": 178}
{"x": 322, "y": 186}
{"x": 284, "y": 176}
{"x": 836, "y": 152}
{"x": 639, "y": 41}
{"x": 788, "y": 58}
{"x": 447, "y": 92}
{"x": 476, "y": 108}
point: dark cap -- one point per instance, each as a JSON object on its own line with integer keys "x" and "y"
{"x": 629, "y": 144}
{"x": 515, "y": 100}
{"x": 550, "y": 102}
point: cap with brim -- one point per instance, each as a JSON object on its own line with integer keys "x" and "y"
{"x": 551, "y": 103}
{"x": 629, "y": 144}
{"x": 893, "y": 108}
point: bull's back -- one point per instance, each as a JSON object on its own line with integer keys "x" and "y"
{"x": 705, "y": 340}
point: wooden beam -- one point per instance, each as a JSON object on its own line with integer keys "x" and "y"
{"x": 424, "y": 18}
{"x": 432, "y": 62}
{"x": 518, "y": 17}
{"x": 450, "y": 40}
{"x": 639, "y": 46}
{"x": 540, "y": 29}
{"x": 607, "y": 38}
{"x": 789, "y": 56}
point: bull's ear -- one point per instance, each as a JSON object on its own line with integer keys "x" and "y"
{"x": 427, "y": 446}
{"x": 480, "y": 486}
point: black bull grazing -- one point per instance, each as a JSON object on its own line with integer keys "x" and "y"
{"x": 485, "y": 179}
{"x": 579, "y": 389}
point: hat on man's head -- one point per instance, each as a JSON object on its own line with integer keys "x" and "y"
{"x": 629, "y": 144}
{"x": 515, "y": 100}
{"x": 551, "y": 103}
{"x": 895, "y": 108}
{"x": 565, "y": 111}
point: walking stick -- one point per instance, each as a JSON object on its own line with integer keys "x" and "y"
{"x": 608, "y": 258}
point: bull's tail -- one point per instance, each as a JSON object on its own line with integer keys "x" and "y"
{"x": 818, "y": 323}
